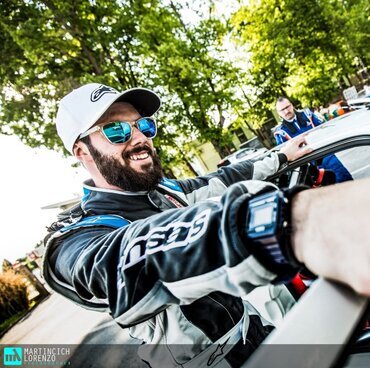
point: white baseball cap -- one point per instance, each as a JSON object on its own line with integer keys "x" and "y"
{"x": 81, "y": 109}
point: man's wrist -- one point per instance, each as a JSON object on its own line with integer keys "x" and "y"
{"x": 300, "y": 212}
{"x": 283, "y": 158}
{"x": 268, "y": 231}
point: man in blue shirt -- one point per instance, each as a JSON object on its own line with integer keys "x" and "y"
{"x": 295, "y": 122}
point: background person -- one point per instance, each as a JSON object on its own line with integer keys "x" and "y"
{"x": 294, "y": 123}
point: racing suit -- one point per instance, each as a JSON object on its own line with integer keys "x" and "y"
{"x": 304, "y": 121}
{"x": 172, "y": 273}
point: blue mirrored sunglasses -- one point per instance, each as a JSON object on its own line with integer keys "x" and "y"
{"x": 121, "y": 131}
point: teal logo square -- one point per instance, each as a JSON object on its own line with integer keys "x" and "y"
{"x": 13, "y": 356}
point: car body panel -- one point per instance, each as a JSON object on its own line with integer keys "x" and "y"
{"x": 318, "y": 329}
{"x": 297, "y": 343}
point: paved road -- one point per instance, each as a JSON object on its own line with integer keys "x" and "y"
{"x": 96, "y": 341}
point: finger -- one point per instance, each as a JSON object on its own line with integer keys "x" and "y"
{"x": 304, "y": 150}
{"x": 301, "y": 139}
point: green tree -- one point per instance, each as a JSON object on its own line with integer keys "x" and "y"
{"x": 356, "y": 33}
{"x": 202, "y": 83}
{"x": 53, "y": 46}
{"x": 296, "y": 48}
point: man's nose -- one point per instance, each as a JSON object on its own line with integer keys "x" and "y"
{"x": 137, "y": 136}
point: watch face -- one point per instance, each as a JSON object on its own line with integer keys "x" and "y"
{"x": 262, "y": 216}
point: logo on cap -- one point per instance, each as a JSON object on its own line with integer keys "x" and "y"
{"x": 101, "y": 91}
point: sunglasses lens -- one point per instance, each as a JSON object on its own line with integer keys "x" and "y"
{"x": 148, "y": 127}
{"x": 118, "y": 132}
{"x": 121, "y": 131}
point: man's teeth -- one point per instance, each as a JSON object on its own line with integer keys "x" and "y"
{"x": 141, "y": 156}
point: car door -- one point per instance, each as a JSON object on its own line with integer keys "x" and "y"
{"x": 320, "y": 329}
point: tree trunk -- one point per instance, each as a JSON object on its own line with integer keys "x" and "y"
{"x": 222, "y": 151}
{"x": 188, "y": 163}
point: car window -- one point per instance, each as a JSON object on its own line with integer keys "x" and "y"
{"x": 357, "y": 160}
{"x": 347, "y": 164}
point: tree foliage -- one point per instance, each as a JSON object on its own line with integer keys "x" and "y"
{"x": 357, "y": 29}
{"x": 53, "y": 46}
{"x": 299, "y": 48}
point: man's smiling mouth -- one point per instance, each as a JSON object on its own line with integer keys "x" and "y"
{"x": 139, "y": 156}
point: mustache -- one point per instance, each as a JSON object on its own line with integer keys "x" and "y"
{"x": 137, "y": 149}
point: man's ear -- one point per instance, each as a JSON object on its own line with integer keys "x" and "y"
{"x": 81, "y": 152}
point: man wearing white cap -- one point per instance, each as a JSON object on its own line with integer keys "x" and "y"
{"x": 152, "y": 252}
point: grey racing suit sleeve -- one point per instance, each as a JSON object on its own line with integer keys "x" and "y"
{"x": 214, "y": 184}
{"x": 174, "y": 257}
{"x": 266, "y": 167}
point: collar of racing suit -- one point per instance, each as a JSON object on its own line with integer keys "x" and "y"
{"x": 131, "y": 205}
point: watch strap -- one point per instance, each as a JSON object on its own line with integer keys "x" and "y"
{"x": 273, "y": 248}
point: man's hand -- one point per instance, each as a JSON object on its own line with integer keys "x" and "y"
{"x": 296, "y": 148}
{"x": 331, "y": 232}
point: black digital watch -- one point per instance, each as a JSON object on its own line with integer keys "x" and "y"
{"x": 268, "y": 231}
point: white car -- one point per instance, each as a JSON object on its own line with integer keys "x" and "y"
{"x": 359, "y": 103}
{"x": 242, "y": 155}
{"x": 326, "y": 326}
{"x": 348, "y": 136}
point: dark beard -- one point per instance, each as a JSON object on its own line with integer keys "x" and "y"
{"x": 125, "y": 177}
